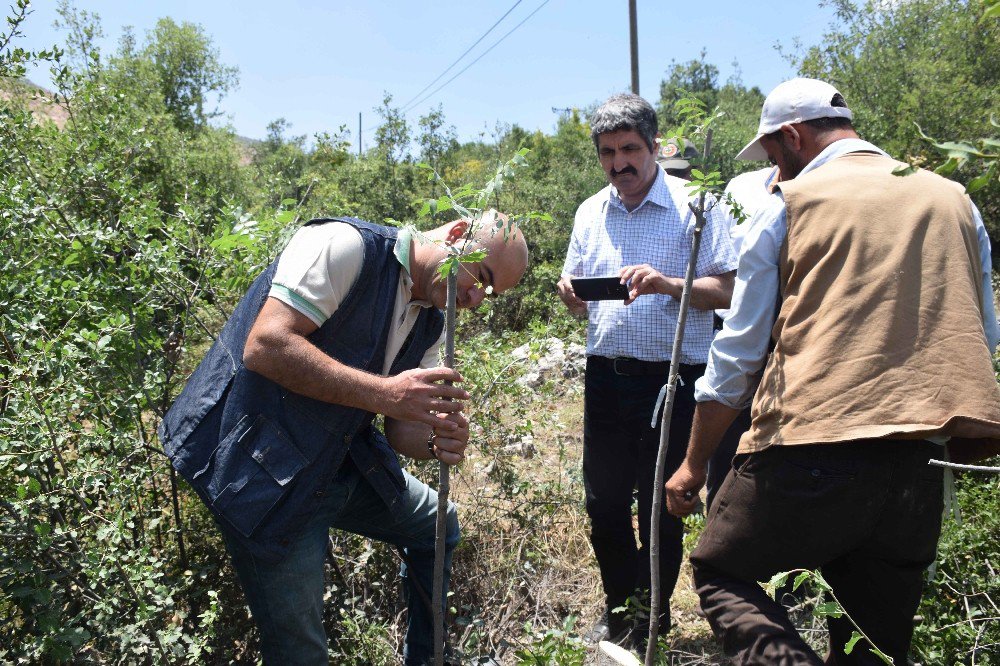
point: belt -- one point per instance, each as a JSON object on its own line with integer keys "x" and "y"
{"x": 632, "y": 366}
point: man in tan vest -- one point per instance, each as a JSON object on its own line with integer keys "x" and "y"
{"x": 865, "y": 299}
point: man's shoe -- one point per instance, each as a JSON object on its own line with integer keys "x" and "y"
{"x": 607, "y": 629}
{"x": 599, "y": 632}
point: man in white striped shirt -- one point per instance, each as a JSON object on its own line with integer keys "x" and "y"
{"x": 639, "y": 229}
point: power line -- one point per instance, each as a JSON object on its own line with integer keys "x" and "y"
{"x": 495, "y": 44}
{"x": 457, "y": 60}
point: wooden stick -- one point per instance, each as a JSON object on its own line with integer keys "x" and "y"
{"x": 441, "y": 532}
{"x": 668, "y": 408}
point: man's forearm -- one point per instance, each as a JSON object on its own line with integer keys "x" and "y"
{"x": 711, "y": 421}
{"x": 298, "y": 365}
{"x": 712, "y": 292}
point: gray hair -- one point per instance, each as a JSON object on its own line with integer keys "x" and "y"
{"x": 625, "y": 111}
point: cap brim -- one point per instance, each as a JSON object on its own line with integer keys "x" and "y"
{"x": 753, "y": 151}
{"x": 674, "y": 164}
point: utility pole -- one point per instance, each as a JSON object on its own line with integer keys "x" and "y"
{"x": 359, "y": 134}
{"x": 634, "y": 39}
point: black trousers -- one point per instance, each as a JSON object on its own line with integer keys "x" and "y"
{"x": 866, "y": 513}
{"x": 619, "y": 456}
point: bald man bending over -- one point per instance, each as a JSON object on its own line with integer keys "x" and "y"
{"x": 275, "y": 432}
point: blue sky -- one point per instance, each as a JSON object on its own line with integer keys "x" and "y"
{"x": 317, "y": 64}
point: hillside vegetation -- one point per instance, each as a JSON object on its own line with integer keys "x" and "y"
{"x": 132, "y": 222}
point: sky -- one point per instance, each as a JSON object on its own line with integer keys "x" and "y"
{"x": 319, "y": 64}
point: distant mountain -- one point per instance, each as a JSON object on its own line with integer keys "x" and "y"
{"x": 45, "y": 107}
{"x": 41, "y": 102}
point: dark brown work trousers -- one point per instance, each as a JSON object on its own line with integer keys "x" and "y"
{"x": 866, "y": 513}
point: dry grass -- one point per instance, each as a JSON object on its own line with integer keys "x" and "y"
{"x": 540, "y": 572}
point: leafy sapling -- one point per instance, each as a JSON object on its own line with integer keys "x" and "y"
{"x": 464, "y": 247}
{"x": 828, "y": 608}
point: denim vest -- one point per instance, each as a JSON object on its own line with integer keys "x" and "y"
{"x": 259, "y": 455}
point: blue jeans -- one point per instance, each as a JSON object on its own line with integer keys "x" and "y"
{"x": 286, "y": 599}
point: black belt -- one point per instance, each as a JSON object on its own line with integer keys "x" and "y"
{"x": 632, "y": 366}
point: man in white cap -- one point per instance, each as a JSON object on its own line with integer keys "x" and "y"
{"x": 872, "y": 294}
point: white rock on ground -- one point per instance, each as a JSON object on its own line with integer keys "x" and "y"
{"x": 554, "y": 357}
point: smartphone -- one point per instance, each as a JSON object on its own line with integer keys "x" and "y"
{"x": 599, "y": 289}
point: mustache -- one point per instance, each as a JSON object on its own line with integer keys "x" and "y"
{"x": 628, "y": 169}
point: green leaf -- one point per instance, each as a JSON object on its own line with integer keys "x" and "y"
{"x": 828, "y": 609}
{"x": 288, "y": 202}
{"x": 979, "y": 182}
{"x": 444, "y": 204}
{"x": 448, "y": 266}
{"x": 882, "y": 655}
{"x": 801, "y": 578}
{"x": 992, "y": 11}
{"x": 472, "y": 257}
{"x": 779, "y": 579}
{"x": 849, "y": 647}
{"x": 907, "y": 170}
{"x": 958, "y": 149}
{"x": 948, "y": 167}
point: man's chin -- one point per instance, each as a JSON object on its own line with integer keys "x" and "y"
{"x": 625, "y": 182}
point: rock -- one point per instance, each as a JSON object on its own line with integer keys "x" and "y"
{"x": 521, "y": 446}
{"x": 551, "y": 358}
{"x": 576, "y": 361}
{"x": 609, "y": 654}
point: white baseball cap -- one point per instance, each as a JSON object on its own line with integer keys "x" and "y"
{"x": 794, "y": 101}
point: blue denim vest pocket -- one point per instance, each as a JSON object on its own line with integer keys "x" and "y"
{"x": 250, "y": 471}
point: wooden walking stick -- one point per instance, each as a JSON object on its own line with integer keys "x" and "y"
{"x": 441, "y": 531}
{"x": 668, "y": 407}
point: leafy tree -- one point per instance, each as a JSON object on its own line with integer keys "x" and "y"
{"x": 392, "y": 137}
{"x": 694, "y": 78}
{"x": 188, "y": 70}
{"x": 435, "y": 139}
{"x": 920, "y": 65}
{"x": 697, "y": 80}
{"x": 281, "y": 163}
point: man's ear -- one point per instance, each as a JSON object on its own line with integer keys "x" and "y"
{"x": 456, "y": 231}
{"x": 792, "y": 137}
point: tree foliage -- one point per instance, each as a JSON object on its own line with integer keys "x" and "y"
{"x": 921, "y": 66}
{"x": 739, "y": 108}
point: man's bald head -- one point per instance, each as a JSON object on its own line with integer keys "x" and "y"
{"x": 505, "y": 262}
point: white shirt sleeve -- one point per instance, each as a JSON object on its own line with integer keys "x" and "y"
{"x": 990, "y": 324}
{"x": 574, "y": 255}
{"x": 740, "y": 349}
{"x": 432, "y": 357}
{"x": 318, "y": 268}
{"x": 716, "y": 255}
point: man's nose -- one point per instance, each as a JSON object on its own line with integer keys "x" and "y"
{"x": 476, "y": 295}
